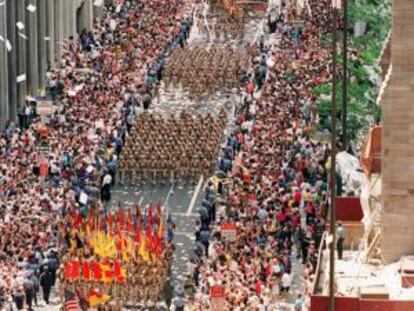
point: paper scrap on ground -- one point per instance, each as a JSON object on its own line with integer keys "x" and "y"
{"x": 20, "y": 25}
{"x": 98, "y": 3}
{"x": 47, "y": 38}
{"x": 22, "y": 35}
{"x": 31, "y": 8}
{"x": 8, "y": 45}
{"x": 21, "y": 78}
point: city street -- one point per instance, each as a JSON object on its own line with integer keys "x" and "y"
{"x": 268, "y": 136}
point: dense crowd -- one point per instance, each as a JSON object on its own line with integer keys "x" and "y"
{"x": 98, "y": 82}
{"x": 173, "y": 148}
{"x": 277, "y": 197}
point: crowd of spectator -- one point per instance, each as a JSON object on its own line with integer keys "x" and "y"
{"x": 97, "y": 85}
{"x": 277, "y": 195}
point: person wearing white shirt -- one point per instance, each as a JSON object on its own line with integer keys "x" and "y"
{"x": 107, "y": 180}
{"x": 340, "y": 233}
{"x": 106, "y": 190}
{"x": 286, "y": 282}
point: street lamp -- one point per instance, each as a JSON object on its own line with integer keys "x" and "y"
{"x": 336, "y": 6}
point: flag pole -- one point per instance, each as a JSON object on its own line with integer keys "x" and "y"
{"x": 345, "y": 75}
{"x": 336, "y": 5}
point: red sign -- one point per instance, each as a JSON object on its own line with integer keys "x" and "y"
{"x": 229, "y": 232}
{"x": 227, "y": 226}
{"x": 217, "y": 301}
{"x": 252, "y": 198}
{"x": 43, "y": 169}
{"x": 217, "y": 291}
{"x": 259, "y": 8}
{"x": 104, "y": 271}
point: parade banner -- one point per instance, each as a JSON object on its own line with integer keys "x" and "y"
{"x": 104, "y": 271}
{"x": 257, "y": 6}
{"x": 43, "y": 169}
{"x": 114, "y": 253}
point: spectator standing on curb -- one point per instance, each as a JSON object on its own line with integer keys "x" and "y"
{"x": 287, "y": 279}
{"x": 340, "y": 233}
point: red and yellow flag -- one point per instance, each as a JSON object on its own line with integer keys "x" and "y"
{"x": 119, "y": 272}
{"x": 97, "y": 271}
{"x": 120, "y": 219}
{"x": 110, "y": 221}
{"x": 137, "y": 236}
{"x": 120, "y": 242}
{"x": 107, "y": 273}
{"x": 86, "y": 270}
{"x": 150, "y": 219}
{"x": 95, "y": 298}
{"x": 91, "y": 221}
{"x": 68, "y": 270}
{"x": 149, "y": 238}
{"x": 143, "y": 251}
{"x": 158, "y": 214}
{"x": 75, "y": 270}
{"x": 130, "y": 222}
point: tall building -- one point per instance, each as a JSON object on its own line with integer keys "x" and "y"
{"x": 31, "y": 36}
{"x": 398, "y": 138}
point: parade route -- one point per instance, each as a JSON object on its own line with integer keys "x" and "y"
{"x": 181, "y": 201}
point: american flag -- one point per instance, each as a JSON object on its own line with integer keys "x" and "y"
{"x": 71, "y": 301}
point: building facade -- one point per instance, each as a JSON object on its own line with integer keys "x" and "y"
{"x": 397, "y": 217}
{"x": 31, "y": 36}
